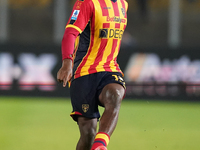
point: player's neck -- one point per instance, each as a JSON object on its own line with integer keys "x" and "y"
{"x": 114, "y": 1}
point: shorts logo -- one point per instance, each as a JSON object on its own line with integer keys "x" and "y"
{"x": 85, "y": 107}
{"x": 75, "y": 14}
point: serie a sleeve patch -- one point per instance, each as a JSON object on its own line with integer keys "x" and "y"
{"x": 75, "y": 14}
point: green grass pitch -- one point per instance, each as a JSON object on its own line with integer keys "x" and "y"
{"x": 44, "y": 124}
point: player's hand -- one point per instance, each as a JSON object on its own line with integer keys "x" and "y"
{"x": 65, "y": 72}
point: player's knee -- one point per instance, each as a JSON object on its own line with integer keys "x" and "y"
{"x": 87, "y": 129}
{"x": 89, "y": 132}
{"x": 116, "y": 94}
{"x": 88, "y": 136}
{"x": 112, "y": 96}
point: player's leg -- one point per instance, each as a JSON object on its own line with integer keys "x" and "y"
{"x": 87, "y": 129}
{"x": 111, "y": 97}
{"x": 85, "y": 107}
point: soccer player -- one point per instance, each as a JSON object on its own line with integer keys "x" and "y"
{"x": 90, "y": 46}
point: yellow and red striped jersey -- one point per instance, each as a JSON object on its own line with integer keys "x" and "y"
{"x": 101, "y": 24}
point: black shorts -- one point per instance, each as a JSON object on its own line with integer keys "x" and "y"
{"x": 85, "y": 92}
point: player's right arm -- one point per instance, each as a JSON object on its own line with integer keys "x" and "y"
{"x": 81, "y": 14}
{"x": 65, "y": 73}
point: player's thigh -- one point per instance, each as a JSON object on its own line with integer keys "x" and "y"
{"x": 84, "y": 97}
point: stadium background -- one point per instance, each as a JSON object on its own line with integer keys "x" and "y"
{"x": 159, "y": 56}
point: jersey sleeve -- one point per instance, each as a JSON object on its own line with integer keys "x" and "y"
{"x": 68, "y": 41}
{"x": 81, "y": 14}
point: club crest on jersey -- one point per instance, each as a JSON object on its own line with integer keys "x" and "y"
{"x": 85, "y": 107}
{"x": 123, "y": 11}
{"x": 75, "y": 14}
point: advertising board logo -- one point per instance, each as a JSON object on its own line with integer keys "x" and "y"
{"x": 153, "y": 75}
{"x": 29, "y": 72}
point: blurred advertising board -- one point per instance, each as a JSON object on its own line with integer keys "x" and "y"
{"x": 30, "y": 70}
{"x": 152, "y": 73}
